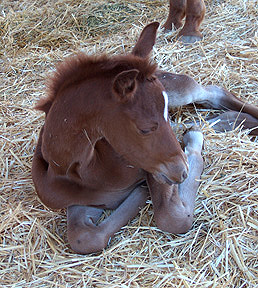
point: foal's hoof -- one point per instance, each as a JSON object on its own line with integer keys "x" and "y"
{"x": 193, "y": 138}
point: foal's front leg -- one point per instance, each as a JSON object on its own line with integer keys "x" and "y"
{"x": 174, "y": 205}
{"x": 86, "y": 236}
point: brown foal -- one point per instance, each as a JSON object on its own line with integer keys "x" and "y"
{"x": 107, "y": 133}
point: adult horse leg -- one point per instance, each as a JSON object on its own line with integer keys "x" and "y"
{"x": 174, "y": 205}
{"x": 195, "y": 11}
{"x": 176, "y": 14}
{"x": 86, "y": 236}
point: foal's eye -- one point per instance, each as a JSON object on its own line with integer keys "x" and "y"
{"x": 145, "y": 131}
{"x": 148, "y": 131}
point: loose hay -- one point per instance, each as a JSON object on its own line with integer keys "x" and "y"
{"x": 221, "y": 248}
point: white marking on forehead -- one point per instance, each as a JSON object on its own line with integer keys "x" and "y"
{"x": 165, "y": 95}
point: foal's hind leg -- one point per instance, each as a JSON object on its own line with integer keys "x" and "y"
{"x": 183, "y": 90}
{"x": 86, "y": 236}
{"x": 174, "y": 205}
{"x": 229, "y": 120}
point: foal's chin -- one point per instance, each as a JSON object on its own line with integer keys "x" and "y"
{"x": 171, "y": 173}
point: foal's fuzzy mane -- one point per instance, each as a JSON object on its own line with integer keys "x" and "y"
{"x": 77, "y": 68}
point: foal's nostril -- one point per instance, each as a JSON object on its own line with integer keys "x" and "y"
{"x": 184, "y": 175}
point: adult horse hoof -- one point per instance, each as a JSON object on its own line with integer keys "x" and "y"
{"x": 190, "y": 39}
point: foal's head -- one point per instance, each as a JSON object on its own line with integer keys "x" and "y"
{"x": 140, "y": 131}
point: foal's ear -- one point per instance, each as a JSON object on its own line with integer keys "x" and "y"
{"x": 124, "y": 85}
{"x": 146, "y": 40}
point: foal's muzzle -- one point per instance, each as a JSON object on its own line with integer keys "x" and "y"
{"x": 171, "y": 176}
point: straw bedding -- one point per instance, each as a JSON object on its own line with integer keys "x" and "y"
{"x": 221, "y": 248}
